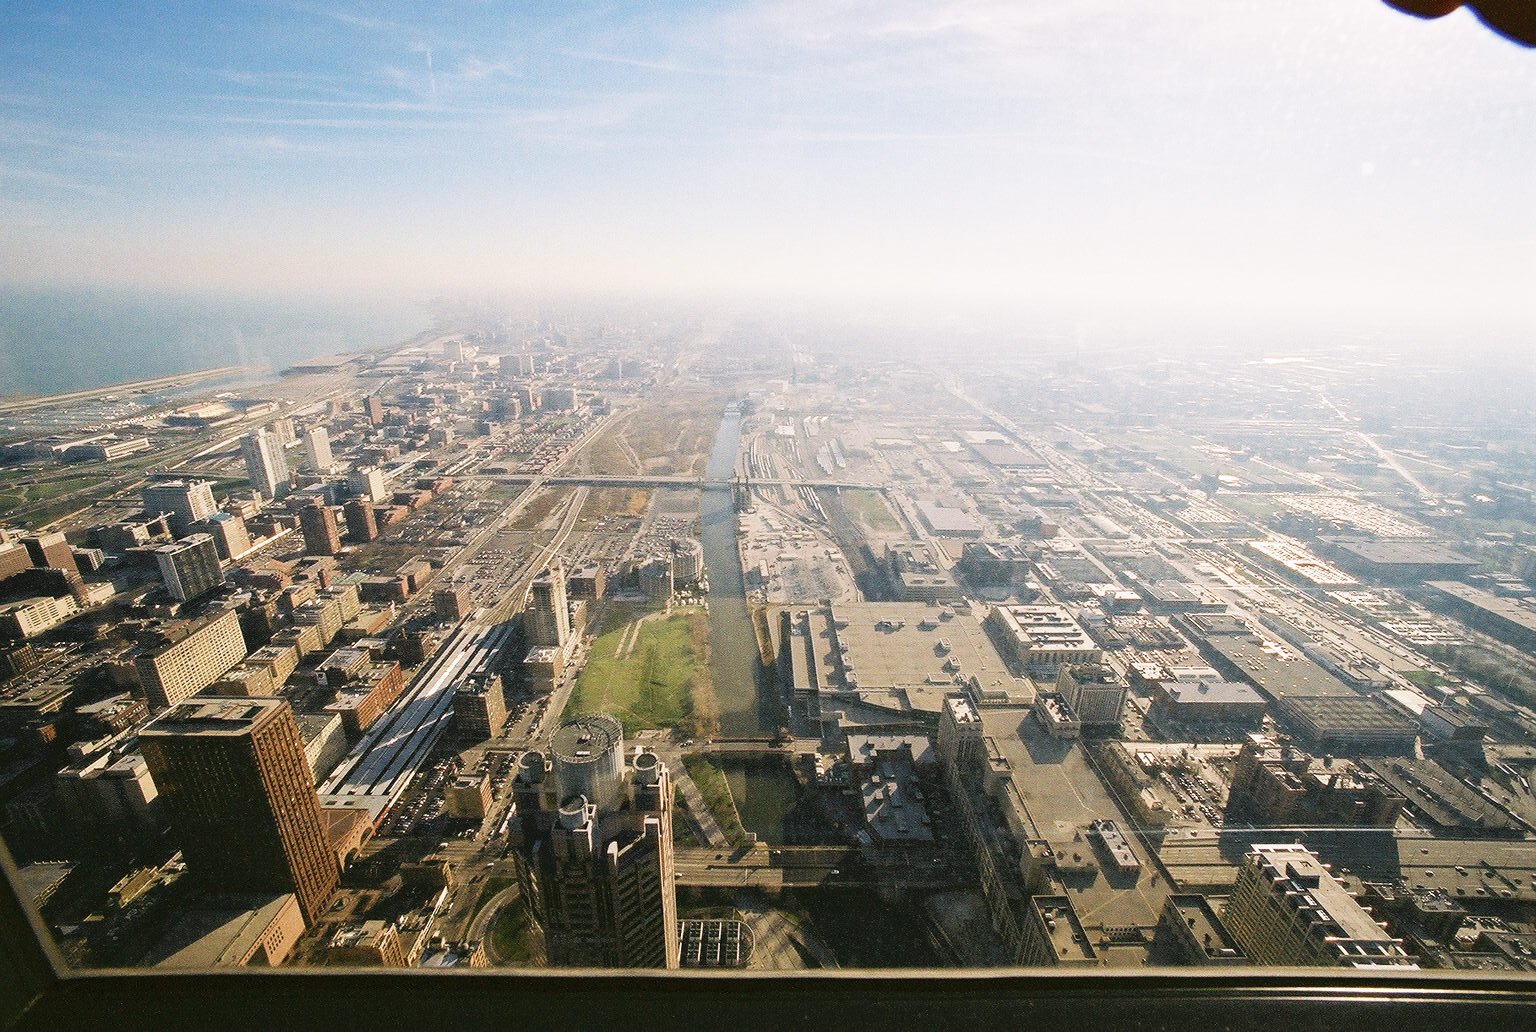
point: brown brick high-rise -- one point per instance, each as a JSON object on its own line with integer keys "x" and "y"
{"x": 242, "y": 800}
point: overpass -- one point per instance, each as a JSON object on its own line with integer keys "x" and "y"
{"x": 773, "y": 868}
{"x": 638, "y": 480}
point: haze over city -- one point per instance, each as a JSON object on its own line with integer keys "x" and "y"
{"x": 1216, "y": 156}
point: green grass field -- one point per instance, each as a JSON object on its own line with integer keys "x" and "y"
{"x": 710, "y": 779}
{"x": 662, "y": 682}
{"x": 516, "y": 937}
{"x": 870, "y": 509}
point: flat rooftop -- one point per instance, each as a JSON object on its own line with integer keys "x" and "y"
{"x": 1469, "y": 868}
{"x": 1279, "y": 670}
{"x": 1063, "y": 796}
{"x": 1214, "y": 693}
{"x": 1406, "y": 553}
{"x": 219, "y": 931}
{"x": 910, "y": 647}
{"x": 216, "y": 717}
{"x": 1508, "y": 609}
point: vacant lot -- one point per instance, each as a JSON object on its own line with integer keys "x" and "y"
{"x": 651, "y": 674}
{"x": 869, "y": 508}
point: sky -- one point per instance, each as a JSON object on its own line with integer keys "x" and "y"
{"x": 1278, "y": 155}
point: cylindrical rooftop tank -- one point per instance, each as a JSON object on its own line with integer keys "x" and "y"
{"x": 647, "y": 768}
{"x": 573, "y": 813}
{"x": 589, "y": 759}
{"x": 530, "y": 767}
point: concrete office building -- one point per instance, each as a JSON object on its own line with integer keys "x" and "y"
{"x": 14, "y": 558}
{"x": 241, "y": 799}
{"x": 32, "y": 616}
{"x": 367, "y": 482}
{"x": 229, "y": 534}
{"x": 185, "y": 501}
{"x": 265, "y": 464}
{"x": 1094, "y": 692}
{"x": 452, "y": 602}
{"x": 1043, "y": 638}
{"x": 1286, "y": 908}
{"x": 1190, "y": 933}
{"x": 321, "y": 535}
{"x": 190, "y": 567}
{"x": 317, "y": 450}
{"x": 468, "y": 797}
{"x": 373, "y": 410}
{"x": 188, "y": 658}
{"x": 594, "y": 844}
{"x": 548, "y": 616}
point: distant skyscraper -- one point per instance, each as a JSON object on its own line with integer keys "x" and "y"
{"x": 265, "y": 463}
{"x": 594, "y": 845}
{"x": 373, "y": 410}
{"x": 241, "y": 799}
{"x": 282, "y": 429}
{"x": 317, "y": 450}
{"x": 548, "y": 616}
{"x": 186, "y": 501}
{"x": 321, "y": 537}
{"x": 190, "y": 567}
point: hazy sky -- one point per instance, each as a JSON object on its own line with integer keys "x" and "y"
{"x": 953, "y": 150}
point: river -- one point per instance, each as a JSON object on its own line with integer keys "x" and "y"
{"x": 744, "y": 696}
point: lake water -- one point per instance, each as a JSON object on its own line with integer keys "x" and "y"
{"x": 54, "y": 340}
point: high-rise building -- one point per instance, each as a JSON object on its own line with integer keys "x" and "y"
{"x": 480, "y": 707}
{"x": 321, "y": 535}
{"x": 1286, "y": 908}
{"x": 452, "y": 602}
{"x": 241, "y": 800}
{"x": 14, "y": 558}
{"x": 367, "y": 482}
{"x": 51, "y": 550}
{"x": 190, "y": 567}
{"x": 594, "y": 845}
{"x": 373, "y": 410}
{"x": 185, "y": 501}
{"x": 229, "y": 533}
{"x": 265, "y": 463}
{"x": 282, "y": 429}
{"x": 317, "y": 450}
{"x": 189, "y": 657}
{"x": 548, "y": 615}
{"x": 361, "y": 523}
